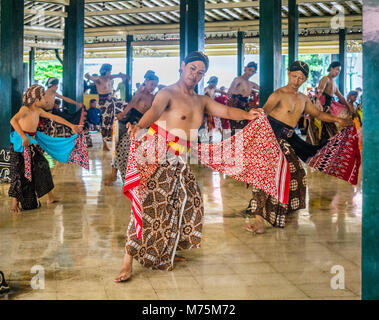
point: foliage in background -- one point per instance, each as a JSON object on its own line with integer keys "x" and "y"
{"x": 318, "y": 63}
{"x": 48, "y": 69}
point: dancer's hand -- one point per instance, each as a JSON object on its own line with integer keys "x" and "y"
{"x": 120, "y": 116}
{"x": 25, "y": 141}
{"x": 345, "y": 122}
{"x": 133, "y": 129}
{"x": 253, "y": 114}
{"x": 77, "y": 128}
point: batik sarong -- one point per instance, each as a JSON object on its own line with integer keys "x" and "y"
{"x": 55, "y": 129}
{"x": 109, "y": 107}
{"x": 25, "y": 190}
{"x": 67, "y": 150}
{"x": 240, "y": 102}
{"x": 267, "y": 206}
{"x": 167, "y": 202}
{"x": 122, "y": 148}
{"x": 328, "y": 129}
{"x": 339, "y": 157}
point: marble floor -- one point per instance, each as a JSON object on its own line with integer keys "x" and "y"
{"x": 78, "y": 243}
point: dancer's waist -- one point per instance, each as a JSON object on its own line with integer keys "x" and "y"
{"x": 280, "y": 128}
{"x": 175, "y": 144}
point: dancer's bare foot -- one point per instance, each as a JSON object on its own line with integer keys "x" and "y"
{"x": 105, "y": 147}
{"x": 109, "y": 181}
{"x": 126, "y": 269}
{"x": 179, "y": 259}
{"x": 15, "y": 208}
{"x": 52, "y": 198}
{"x": 257, "y": 227}
{"x": 112, "y": 178}
{"x": 124, "y": 275}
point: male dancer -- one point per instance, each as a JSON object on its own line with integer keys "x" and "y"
{"x": 172, "y": 206}
{"x": 109, "y": 106}
{"x": 239, "y": 92}
{"x": 50, "y": 127}
{"x": 326, "y": 90}
{"x": 30, "y": 172}
{"x": 140, "y": 103}
{"x": 284, "y": 108}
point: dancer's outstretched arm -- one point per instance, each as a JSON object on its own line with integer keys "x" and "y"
{"x": 75, "y": 128}
{"x": 68, "y": 100}
{"x": 223, "y": 111}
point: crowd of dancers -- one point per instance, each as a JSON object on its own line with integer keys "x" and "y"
{"x": 162, "y": 129}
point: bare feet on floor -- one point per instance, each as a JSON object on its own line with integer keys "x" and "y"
{"x": 124, "y": 275}
{"x": 256, "y": 228}
{"x": 105, "y": 146}
{"x": 15, "y": 208}
{"x": 109, "y": 181}
{"x": 53, "y": 199}
{"x": 179, "y": 259}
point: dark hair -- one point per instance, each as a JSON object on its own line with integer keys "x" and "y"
{"x": 300, "y": 66}
{"x": 358, "y": 89}
{"x": 148, "y": 74}
{"x": 334, "y": 64}
{"x": 252, "y": 64}
{"x": 197, "y": 56}
{"x": 353, "y": 93}
{"x": 105, "y": 68}
{"x": 52, "y": 82}
{"x": 92, "y": 100}
{"x": 152, "y": 77}
{"x": 57, "y": 101}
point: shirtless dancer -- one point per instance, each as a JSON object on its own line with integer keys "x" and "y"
{"x": 108, "y": 105}
{"x": 50, "y": 127}
{"x": 284, "y": 108}
{"x": 239, "y": 92}
{"x": 326, "y": 89}
{"x": 140, "y": 103}
{"x": 178, "y": 211}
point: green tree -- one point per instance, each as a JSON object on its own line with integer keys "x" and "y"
{"x": 48, "y": 69}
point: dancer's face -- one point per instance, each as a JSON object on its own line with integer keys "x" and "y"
{"x": 193, "y": 72}
{"x": 296, "y": 79}
{"x": 40, "y": 103}
{"x": 250, "y": 71}
{"x": 334, "y": 72}
{"x": 150, "y": 85}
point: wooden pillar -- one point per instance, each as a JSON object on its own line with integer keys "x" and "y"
{"x": 342, "y": 60}
{"x": 73, "y": 53}
{"x": 240, "y": 52}
{"x": 293, "y": 33}
{"x": 192, "y": 13}
{"x": 370, "y": 217}
{"x": 129, "y": 67}
{"x": 32, "y": 53}
{"x": 270, "y": 47}
{"x": 11, "y": 73}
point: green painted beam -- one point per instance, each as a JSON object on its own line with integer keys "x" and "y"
{"x": 270, "y": 47}
{"x": 370, "y": 216}
{"x": 342, "y": 60}
{"x": 192, "y": 30}
{"x": 293, "y": 31}
{"x": 129, "y": 67}
{"x": 11, "y": 72}
{"x": 73, "y": 53}
{"x": 240, "y": 52}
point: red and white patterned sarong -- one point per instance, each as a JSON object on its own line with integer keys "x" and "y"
{"x": 341, "y": 157}
{"x": 252, "y": 156}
